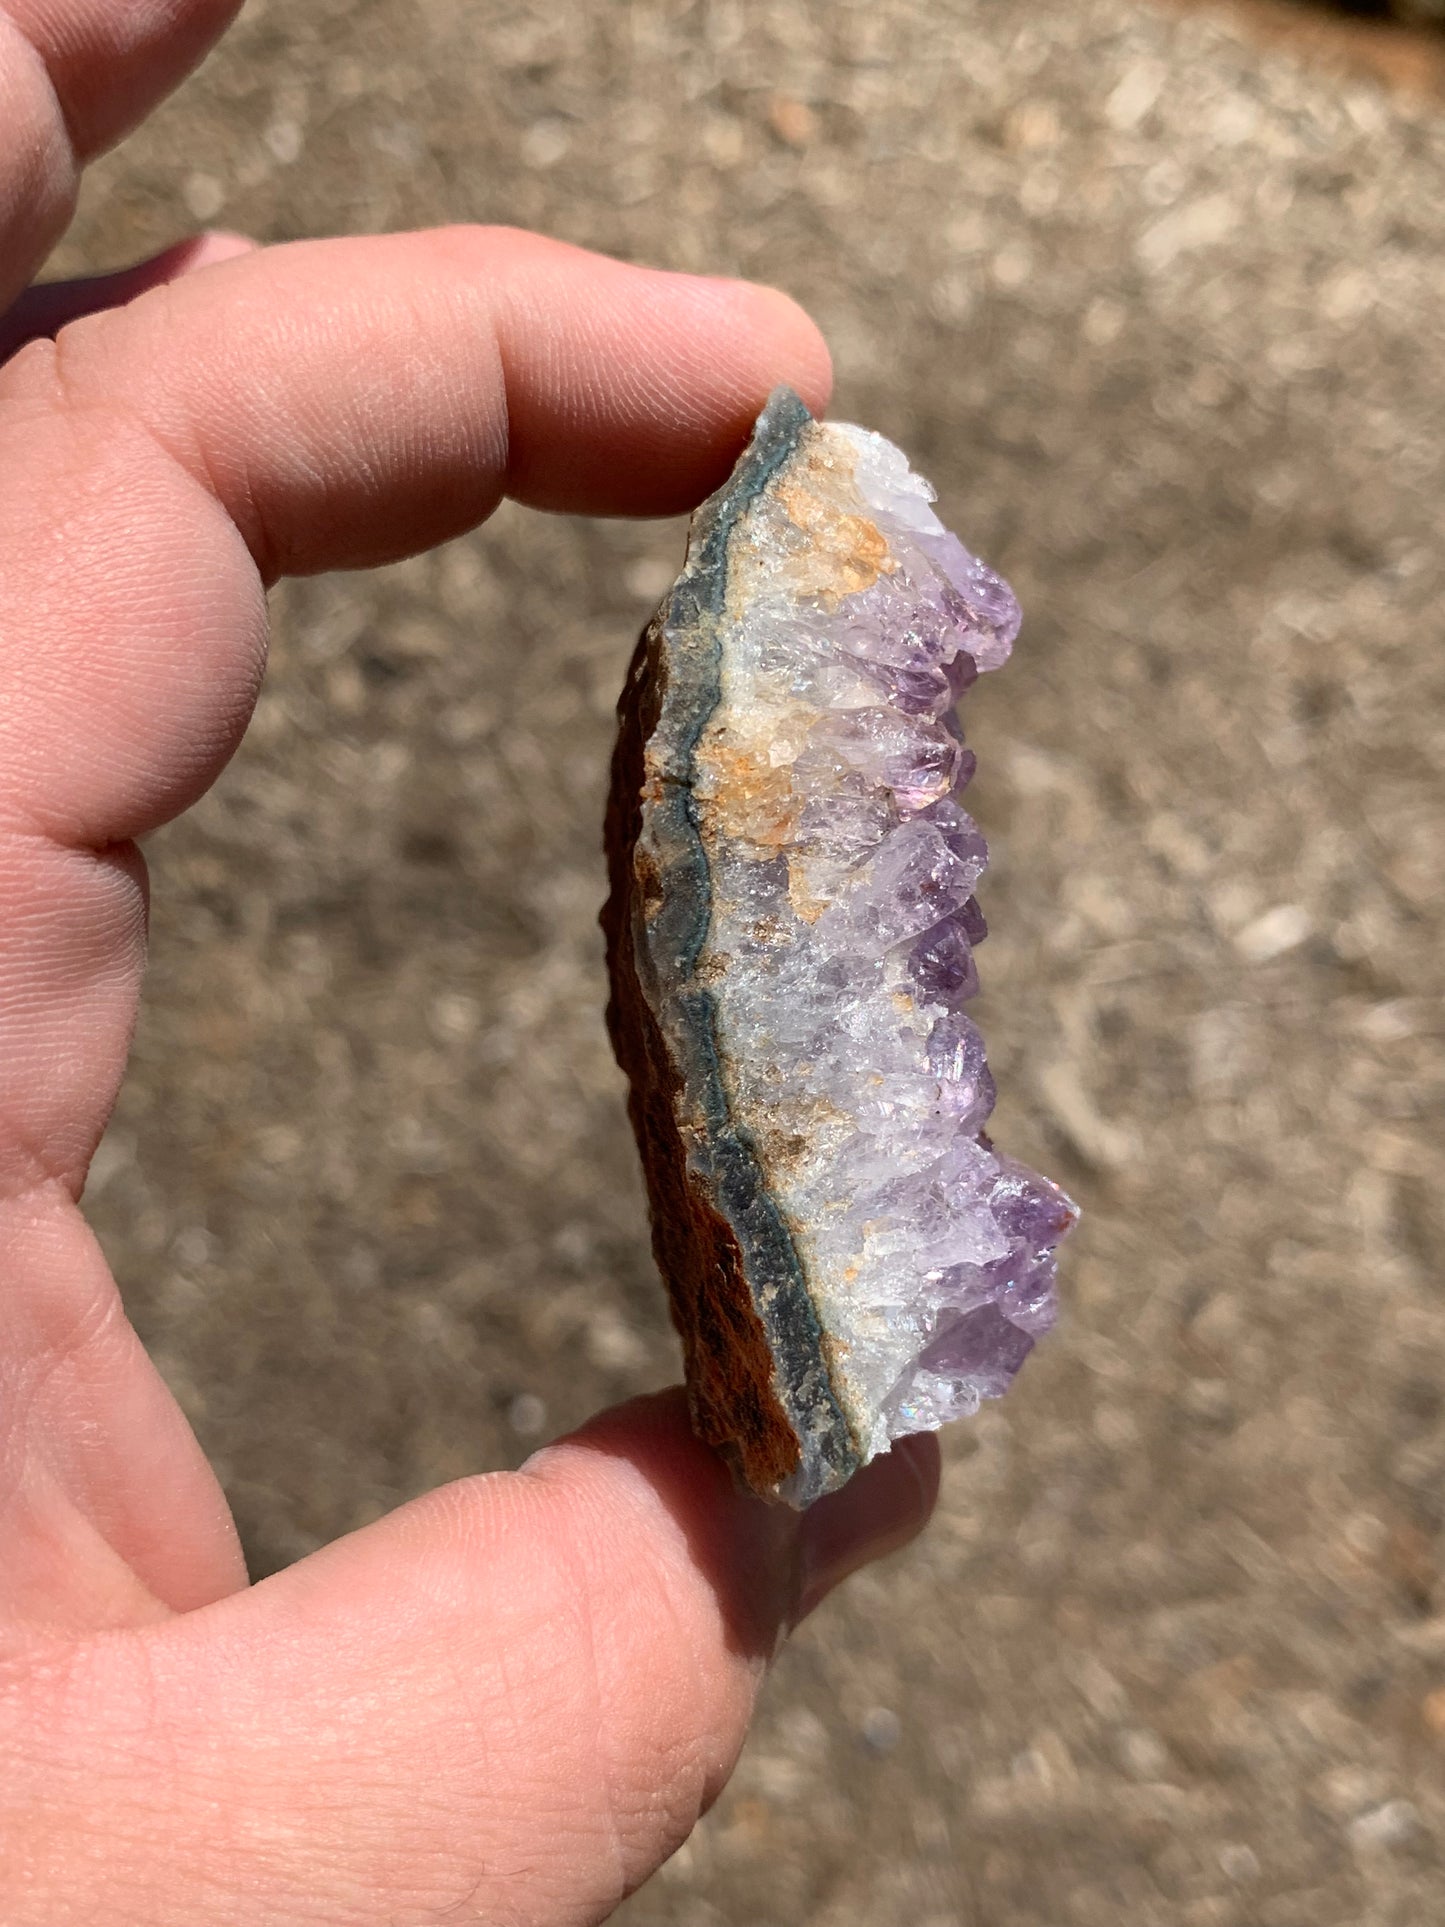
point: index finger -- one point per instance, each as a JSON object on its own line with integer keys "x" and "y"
{"x": 324, "y": 405}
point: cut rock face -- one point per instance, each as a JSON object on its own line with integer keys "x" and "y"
{"x": 791, "y": 935}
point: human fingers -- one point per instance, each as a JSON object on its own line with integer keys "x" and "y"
{"x": 508, "y": 1701}
{"x": 43, "y": 310}
{"x": 325, "y": 405}
{"x": 350, "y": 401}
{"x": 74, "y": 76}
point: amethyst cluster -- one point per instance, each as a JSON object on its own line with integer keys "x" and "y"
{"x": 792, "y": 930}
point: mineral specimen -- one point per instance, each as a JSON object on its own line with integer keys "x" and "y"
{"x": 791, "y": 934}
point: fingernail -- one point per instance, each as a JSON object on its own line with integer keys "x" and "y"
{"x": 880, "y": 1509}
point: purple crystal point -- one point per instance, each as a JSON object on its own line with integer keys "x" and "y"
{"x": 965, "y": 1083}
{"x": 941, "y": 963}
{"x": 919, "y": 762}
{"x": 794, "y": 911}
{"x": 981, "y": 1348}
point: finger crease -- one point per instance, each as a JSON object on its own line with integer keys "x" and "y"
{"x": 192, "y": 457}
{"x": 605, "y": 1769}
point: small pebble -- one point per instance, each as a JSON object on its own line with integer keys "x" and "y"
{"x": 527, "y": 1415}
{"x": 1143, "y": 1754}
{"x": 203, "y": 195}
{"x": 881, "y": 1729}
{"x": 1238, "y": 1862}
{"x": 1389, "y": 1825}
{"x": 1275, "y": 933}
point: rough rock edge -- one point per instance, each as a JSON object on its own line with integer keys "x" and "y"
{"x": 757, "y": 1375}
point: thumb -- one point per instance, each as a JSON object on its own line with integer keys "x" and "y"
{"x": 513, "y": 1697}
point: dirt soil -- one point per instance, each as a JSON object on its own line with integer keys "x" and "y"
{"x": 1160, "y": 310}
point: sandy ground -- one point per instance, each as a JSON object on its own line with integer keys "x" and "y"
{"x": 1161, "y": 312}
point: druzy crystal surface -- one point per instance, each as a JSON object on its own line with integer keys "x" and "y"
{"x": 792, "y": 930}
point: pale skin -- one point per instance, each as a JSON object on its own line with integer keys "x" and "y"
{"x": 510, "y": 1700}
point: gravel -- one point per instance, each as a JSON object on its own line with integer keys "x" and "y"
{"x": 1159, "y": 309}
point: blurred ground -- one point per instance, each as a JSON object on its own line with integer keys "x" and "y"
{"x": 1161, "y": 312}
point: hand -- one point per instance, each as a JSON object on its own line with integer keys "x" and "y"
{"x": 510, "y": 1700}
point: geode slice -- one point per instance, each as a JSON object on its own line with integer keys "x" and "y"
{"x": 790, "y": 934}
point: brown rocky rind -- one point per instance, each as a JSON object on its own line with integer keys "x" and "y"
{"x": 728, "y": 1363}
